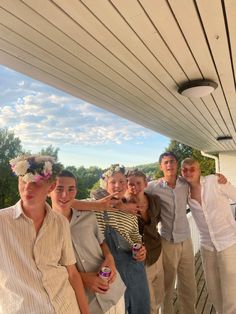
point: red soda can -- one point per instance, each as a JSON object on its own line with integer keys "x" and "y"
{"x": 105, "y": 273}
{"x": 135, "y": 248}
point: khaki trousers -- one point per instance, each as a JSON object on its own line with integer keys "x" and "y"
{"x": 119, "y": 308}
{"x": 220, "y": 274}
{"x": 155, "y": 277}
{"x": 178, "y": 261}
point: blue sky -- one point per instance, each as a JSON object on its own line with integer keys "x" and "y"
{"x": 85, "y": 134}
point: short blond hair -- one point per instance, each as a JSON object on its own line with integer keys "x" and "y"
{"x": 189, "y": 161}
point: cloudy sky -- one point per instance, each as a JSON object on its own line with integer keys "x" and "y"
{"x": 85, "y": 134}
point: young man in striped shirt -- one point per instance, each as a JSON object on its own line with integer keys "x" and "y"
{"x": 37, "y": 273}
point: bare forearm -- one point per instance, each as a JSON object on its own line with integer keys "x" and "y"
{"x": 88, "y": 205}
{"x": 77, "y": 285}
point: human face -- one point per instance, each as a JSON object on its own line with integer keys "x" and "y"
{"x": 117, "y": 183}
{"x": 169, "y": 166}
{"x": 63, "y": 194}
{"x": 136, "y": 185}
{"x": 34, "y": 194}
{"x": 191, "y": 173}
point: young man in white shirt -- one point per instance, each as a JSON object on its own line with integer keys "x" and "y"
{"x": 210, "y": 206}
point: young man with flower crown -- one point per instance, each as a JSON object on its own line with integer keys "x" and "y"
{"x": 37, "y": 272}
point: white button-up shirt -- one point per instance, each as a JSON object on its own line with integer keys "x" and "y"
{"x": 33, "y": 274}
{"x": 214, "y": 217}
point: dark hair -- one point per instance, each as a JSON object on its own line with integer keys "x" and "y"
{"x": 68, "y": 174}
{"x": 167, "y": 154}
{"x": 136, "y": 173}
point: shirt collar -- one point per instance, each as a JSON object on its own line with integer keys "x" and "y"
{"x": 202, "y": 180}
{"x": 75, "y": 216}
{"x": 18, "y": 211}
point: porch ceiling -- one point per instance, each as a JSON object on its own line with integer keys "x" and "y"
{"x": 130, "y": 57}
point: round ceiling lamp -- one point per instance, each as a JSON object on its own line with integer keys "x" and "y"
{"x": 197, "y": 88}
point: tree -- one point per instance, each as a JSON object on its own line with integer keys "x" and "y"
{"x": 86, "y": 178}
{"x": 183, "y": 151}
{"x": 10, "y": 147}
{"x": 50, "y": 151}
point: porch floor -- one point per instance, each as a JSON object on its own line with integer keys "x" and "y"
{"x": 203, "y": 304}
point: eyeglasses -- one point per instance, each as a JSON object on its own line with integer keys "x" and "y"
{"x": 190, "y": 169}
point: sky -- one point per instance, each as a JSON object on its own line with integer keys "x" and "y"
{"x": 86, "y": 135}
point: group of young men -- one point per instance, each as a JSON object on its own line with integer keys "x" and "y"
{"x": 47, "y": 260}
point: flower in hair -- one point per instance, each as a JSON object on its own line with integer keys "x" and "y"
{"x": 33, "y": 168}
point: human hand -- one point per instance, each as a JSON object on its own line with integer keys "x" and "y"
{"x": 221, "y": 178}
{"x": 94, "y": 283}
{"x": 109, "y": 262}
{"x": 141, "y": 254}
{"x": 109, "y": 202}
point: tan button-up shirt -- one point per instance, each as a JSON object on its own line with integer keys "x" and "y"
{"x": 33, "y": 276}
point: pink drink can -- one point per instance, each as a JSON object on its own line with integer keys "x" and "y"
{"x": 105, "y": 273}
{"x": 135, "y": 248}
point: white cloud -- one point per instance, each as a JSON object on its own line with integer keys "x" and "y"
{"x": 41, "y": 119}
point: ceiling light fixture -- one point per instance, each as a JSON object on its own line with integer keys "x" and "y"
{"x": 197, "y": 88}
{"x": 224, "y": 138}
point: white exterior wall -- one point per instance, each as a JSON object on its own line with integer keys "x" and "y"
{"x": 227, "y": 165}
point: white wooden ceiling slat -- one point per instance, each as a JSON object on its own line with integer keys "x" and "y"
{"x": 23, "y": 67}
{"x": 90, "y": 90}
{"x": 76, "y": 9}
{"x": 47, "y": 59}
{"x": 214, "y": 24}
{"x": 39, "y": 23}
{"x": 57, "y": 19}
{"x": 134, "y": 15}
{"x": 125, "y": 60}
{"x": 75, "y": 92}
{"x": 192, "y": 30}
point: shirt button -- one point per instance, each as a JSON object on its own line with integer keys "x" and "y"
{"x": 83, "y": 260}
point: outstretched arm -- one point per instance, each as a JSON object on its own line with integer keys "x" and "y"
{"x": 106, "y": 203}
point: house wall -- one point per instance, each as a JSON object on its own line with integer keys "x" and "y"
{"x": 227, "y": 165}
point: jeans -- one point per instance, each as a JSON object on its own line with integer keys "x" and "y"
{"x": 132, "y": 272}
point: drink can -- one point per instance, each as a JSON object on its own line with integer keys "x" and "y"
{"x": 135, "y": 248}
{"x": 105, "y": 273}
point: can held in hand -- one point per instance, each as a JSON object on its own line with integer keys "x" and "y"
{"x": 105, "y": 273}
{"x": 135, "y": 248}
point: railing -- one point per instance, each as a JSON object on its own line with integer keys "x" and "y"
{"x": 194, "y": 233}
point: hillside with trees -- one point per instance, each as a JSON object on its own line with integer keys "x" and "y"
{"x": 88, "y": 178}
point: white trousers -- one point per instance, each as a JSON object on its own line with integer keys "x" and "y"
{"x": 220, "y": 273}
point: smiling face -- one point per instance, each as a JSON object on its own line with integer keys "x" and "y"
{"x": 63, "y": 194}
{"x": 191, "y": 171}
{"x": 117, "y": 183}
{"x": 169, "y": 166}
{"x": 136, "y": 185}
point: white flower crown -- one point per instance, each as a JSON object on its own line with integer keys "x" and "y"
{"x": 33, "y": 168}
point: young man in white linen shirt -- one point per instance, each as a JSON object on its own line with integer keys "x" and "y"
{"x": 210, "y": 206}
{"x": 91, "y": 252}
{"x": 37, "y": 263}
